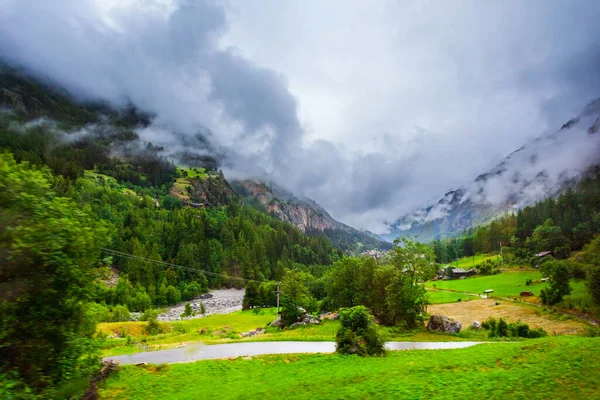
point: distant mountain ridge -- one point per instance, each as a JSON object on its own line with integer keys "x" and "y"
{"x": 306, "y": 215}
{"x": 541, "y": 168}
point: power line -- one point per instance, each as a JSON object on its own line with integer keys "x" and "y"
{"x": 138, "y": 258}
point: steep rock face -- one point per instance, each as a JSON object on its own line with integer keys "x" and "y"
{"x": 306, "y": 215}
{"x": 541, "y": 168}
{"x": 213, "y": 190}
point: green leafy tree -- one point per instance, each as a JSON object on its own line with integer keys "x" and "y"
{"x": 202, "y": 308}
{"x": 558, "y": 272}
{"x": 414, "y": 258}
{"x": 293, "y": 291}
{"x": 188, "y": 311}
{"x": 251, "y": 296}
{"x": 358, "y": 333}
{"x": 48, "y": 247}
{"x": 406, "y": 301}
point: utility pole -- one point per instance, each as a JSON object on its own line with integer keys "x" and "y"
{"x": 501, "y": 256}
{"x": 277, "y": 297}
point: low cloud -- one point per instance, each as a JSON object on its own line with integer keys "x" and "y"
{"x": 419, "y": 99}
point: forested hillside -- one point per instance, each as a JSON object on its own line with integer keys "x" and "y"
{"x": 85, "y": 146}
{"x": 90, "y": 230}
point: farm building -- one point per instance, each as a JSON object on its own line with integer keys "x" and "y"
{"x": 455, "y": 273}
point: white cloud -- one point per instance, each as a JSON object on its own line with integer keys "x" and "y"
{"x": 369, "y": 108}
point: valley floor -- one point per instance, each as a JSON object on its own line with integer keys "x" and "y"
{"x": 548, "y": 368}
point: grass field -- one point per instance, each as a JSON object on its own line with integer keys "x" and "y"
{"x": 108, "y": 179}
{"x": 193, "y": 172}
{"x": 436, "y": 297}
{"x": 508, "y": 283}
{"x": 472, "y": 262}
{"x": 549, "y": 368}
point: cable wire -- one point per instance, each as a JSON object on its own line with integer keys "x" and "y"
{"x": 138, "y": 258}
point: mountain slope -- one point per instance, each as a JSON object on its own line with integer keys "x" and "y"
{"x": 307, "y": 215}
{"x": 541, "y": 168}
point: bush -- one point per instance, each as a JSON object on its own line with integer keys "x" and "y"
{"x": 593, "y": 283}
{"x": 152, "y": 328}
{"x": 119, "y": 313}
{"x": 188, "y": 312}
{"x": 488, "y": 267}
{"x": 358, "y": 333}
{"x": 562, "y": 252}
{"x": 503, "y": 328}
{"x": 578, "y": 270}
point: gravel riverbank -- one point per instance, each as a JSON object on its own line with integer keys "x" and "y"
{"x": 220, "y": 301}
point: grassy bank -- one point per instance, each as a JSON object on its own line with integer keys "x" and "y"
{"x": 549, "y": 368}
{"x": 226, "y": 328}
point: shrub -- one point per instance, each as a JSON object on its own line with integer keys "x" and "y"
{"x": 562, "y": 252}
{"x": 358, "y": 333}
{"x": 488, "y": 267}
{"x": 578, "y": 270}
{"x": 502, "y": 328}
{"x": 188, "y": 312}
{"x": 152, "y": 328}
{"x": 593, "y": 283}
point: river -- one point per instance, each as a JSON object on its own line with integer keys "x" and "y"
{"x": 198, "y": 351}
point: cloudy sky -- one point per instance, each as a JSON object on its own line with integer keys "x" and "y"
{"x": 369, "y": 108}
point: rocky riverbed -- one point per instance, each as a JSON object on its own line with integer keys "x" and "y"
{"x": 221, "y": 301}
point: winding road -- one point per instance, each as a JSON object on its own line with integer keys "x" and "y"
{"x": 198, "y": 351}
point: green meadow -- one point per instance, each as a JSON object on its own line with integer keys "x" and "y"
{"x": 548, "y": 368}
{"x": 508, "y": 283}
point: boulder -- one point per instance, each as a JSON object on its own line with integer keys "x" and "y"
{"x": 441, "y": 323}
{"x": 252, "y": 333}
{"x": 475, "y": 325}
{"x": 311, "y": 319}
{"x": 278, "y": 322}
{"x": 332, "y": 315}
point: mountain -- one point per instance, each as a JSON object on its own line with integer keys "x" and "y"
{"x": 541, "y": 168}
{"x": 307, "y": 215}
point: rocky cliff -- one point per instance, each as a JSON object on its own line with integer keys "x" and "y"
{"x": 306, "y": 215}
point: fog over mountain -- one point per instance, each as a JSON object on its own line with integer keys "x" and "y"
{"x": 371, "y": 109}
{"x": 543, "y": 167}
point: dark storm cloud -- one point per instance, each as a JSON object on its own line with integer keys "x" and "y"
{"x": 454, "y": 86}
